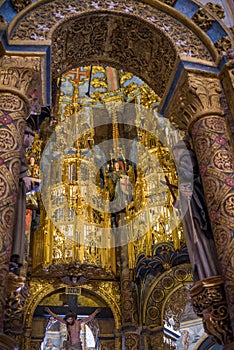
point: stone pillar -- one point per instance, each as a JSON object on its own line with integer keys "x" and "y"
{"x": 13, "y": 111}
{"x": 196, "y": 104}
{"x": 215, "y": 157}
{"x": 16, "y": 79}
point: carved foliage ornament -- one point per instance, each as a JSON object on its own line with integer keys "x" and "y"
{"x": 51, "y": 13}
{"x": 117, "y": 40}
{"x": 202, "y": 19}
{"x": 19, "y": 72}
{"x": 197, "y": 95}
{"x": 19, "y": 5}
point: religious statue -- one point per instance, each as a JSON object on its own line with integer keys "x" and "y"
{"x": 117, "y": 183}
{"x": 25, "y": 185}
{"x": 73, "y": 327}
{"x": 196, "y": 223}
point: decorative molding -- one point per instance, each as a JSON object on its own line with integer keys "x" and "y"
{"x": 87, "y": 271}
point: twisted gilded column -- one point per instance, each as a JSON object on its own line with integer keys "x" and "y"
{"x": 196, "y": 105}
{"x": 17, "y": 76}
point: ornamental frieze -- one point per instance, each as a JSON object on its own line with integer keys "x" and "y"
{"x": 63, "y": 271}
{"x": 52, "y": 14}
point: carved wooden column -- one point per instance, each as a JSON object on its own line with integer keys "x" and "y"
{"x": 129, "y": 328}
{"x": 16, "y": 78}
{"x": 196, "y": 103}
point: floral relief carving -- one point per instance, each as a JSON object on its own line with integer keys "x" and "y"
{"x": 51, "y": 13}
{"x": 216, "y": 9}
{"x": 202, "y": 19}
{"x": 22, "y": 74}
{"x": 12, "y": 115}
{"x": 117, "y": 40}
{"x": 223, "y": 44}
{"x": 196, "y": 95}
{"x": 217, "y": 174}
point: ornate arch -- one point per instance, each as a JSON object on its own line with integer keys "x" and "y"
{"x": 160, "y": 291}
{"x": 39, "y": 289}
{"x": 147, "y": 38}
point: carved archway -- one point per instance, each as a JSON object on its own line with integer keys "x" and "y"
{"x": 147, "y": 39}
{"x": 160, "y": 290}
{"x": 39, "y": 289}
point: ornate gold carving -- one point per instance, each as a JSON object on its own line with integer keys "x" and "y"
{"x": 19, "y": 5}
{"x": 90, "y": 272}
{"x": 202, "y": 19}
{"x": 131, "y": 341}
{"x": 223, "y": 44}
{"x": 50, "y": 14}
{"x": 14, "y": 311}
{"x": 39, "y": 288}
{"x": 169, "y": 2}
{"x": 158, "y": 341}
{"x": 113, "y": 31}
{"x": 216, "y": 166}
{"x": 216, "y": 9}
{"x": 209, "y": 302}
{"x": 107, "y": 344}
{"x": 175, "y": 307}
{"x": 12, "y": 114}
{"x": 196, "y": 95}
{"x": 158, "y": 292}
{"x": 7, "y": 343}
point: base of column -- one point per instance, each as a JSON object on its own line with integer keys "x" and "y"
{"x": 209, "y": 302}
{"x": 7, "y": 343}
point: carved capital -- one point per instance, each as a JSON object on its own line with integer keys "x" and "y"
{"x": 195, "y": 96}
{"x": 20, "y": 75}
{"x": 209, "y": 302}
